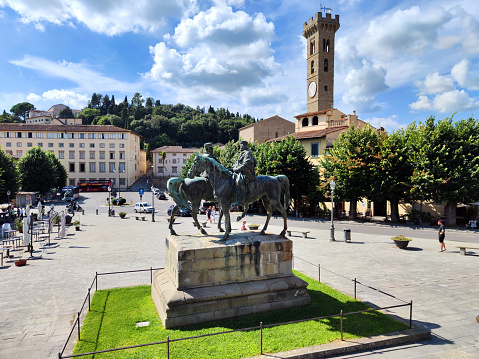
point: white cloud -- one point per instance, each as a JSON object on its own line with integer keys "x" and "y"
{"x": 235, "y": 3}
{"x": 68, "y": 97}
{"x": 435, "y": 83}
{"x": 447, "y": 102}
{"x": 102, "y": 16}
{"x": 87, "y": 79}
{"x": 220, "y": 53}
{"x": 390, "y": 123}
{"x": 465, "y": 76}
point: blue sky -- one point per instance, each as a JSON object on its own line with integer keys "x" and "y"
{"x": 396, "y": 61}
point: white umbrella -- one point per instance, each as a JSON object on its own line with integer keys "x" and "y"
{"x": 62, "y": 228}
{"x": 50, "y": 221}
{"x": 39, "y": 208}
{"x": 26, "y": 237}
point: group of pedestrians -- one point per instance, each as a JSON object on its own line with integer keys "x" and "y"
{"x": 211, "y": 214}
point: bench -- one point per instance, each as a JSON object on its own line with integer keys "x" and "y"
{"x": 463, "y": 246}
{"x": 304, "y": 233}
{"x": 140, "y": 217}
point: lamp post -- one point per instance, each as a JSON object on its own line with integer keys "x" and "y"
{"x": 331, "y": 232}
{"x": 109, "y": 200}
{"x": 8, "y": 195}
{"x": 119, "y": 180}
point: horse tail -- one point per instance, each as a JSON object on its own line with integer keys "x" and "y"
{"x": 284, "y": 181}
{"x": 177, "y": 193}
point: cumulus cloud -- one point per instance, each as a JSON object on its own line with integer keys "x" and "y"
{"x": 390, "y": 123}
{"x": 87, "y": 79}
{"x": 465, "y": 76}
{"x": 73, "y": 99}
{"x": 218, "y": 52}
{"x": 435, "y": 83}
{"x": 447, "y": 102}
{"x": 102, "y": 16}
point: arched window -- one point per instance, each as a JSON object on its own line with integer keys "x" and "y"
{"x": 327, "y": 45}
{"x": 326, "y": 88}
{"x": 305, "y": 122}
{"x": 315, "y": 120}
{"x": 324, "y": 44}
{"x": 326, "y": 65}
{"x": 311, "y": 48}
{"x": 312, "y": 67}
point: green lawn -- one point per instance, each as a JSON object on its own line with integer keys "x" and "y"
{"x": 114, "y": 313}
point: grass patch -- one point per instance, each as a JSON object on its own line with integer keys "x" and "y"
{"x": 114, "y": 313}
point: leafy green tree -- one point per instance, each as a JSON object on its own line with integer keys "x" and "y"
{"x": 9, "y": 177}
{"x": 66, "y": 113}
{"x": 89, "y": 116}
{"x": 58, "y": 171}
{"x": 447, "y": 163}
{"x": 352, "y": 163}
{"x": 7, "y": 118}
{"x": 22, "y": 109}
{"x": 36, "y": 171}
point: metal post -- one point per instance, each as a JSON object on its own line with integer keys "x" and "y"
{"x": 168, "y": 346}
{"x": 410, "y": 315}
{"x": 89, "y": 300}
{"x": 109, "y": 200}
{"x": 341, "y": 315}
{"x": 151, "y": 275}
{"x": 153, "y": 199}
{"x": 319, "y": 273}
{"x": 354, "y": 288}
{"x": 331, "y": 231}
{"x": 261, "y": 337}
{"x": 96, "y": 281}
{"x": 78, "y": 323}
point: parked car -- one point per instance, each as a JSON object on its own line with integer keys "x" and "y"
{"x": 204, "y": 206}
{"x": 143, "y": 207}
{"x": 161, "y": 195}
{"x": 155, "y": 190}
{"x": 181, "y": 212}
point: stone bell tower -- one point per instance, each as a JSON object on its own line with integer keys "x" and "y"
{"x": 319, "y": 33}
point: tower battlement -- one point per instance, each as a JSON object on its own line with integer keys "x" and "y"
{"x": 319, "y": 18}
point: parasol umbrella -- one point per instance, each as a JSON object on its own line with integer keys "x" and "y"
{"x": 62, "y": 228}
{"x": 50, "y": 221}
{"x": 26, "y": 236}
{"x": 39, "y": 208}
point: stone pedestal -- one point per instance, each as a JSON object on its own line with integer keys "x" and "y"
{"x": 206, "y": 280}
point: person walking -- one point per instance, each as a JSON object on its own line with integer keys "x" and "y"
{"x": 442, "y": 235}
{"x": 208, "y": 214}
{"x": 213, "y": 214}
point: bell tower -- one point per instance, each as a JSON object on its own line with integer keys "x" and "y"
{"x": 319, "y": 33}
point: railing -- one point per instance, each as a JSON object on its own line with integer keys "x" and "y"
{"x": 260, "y": 327}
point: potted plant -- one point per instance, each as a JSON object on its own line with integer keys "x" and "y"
{"x": 76, "y": 224}
{"x": 401, "y": 241}
{"x": 20, "y": 262}
{"x": 122, "y": 214}
{"x": 253, "y": 226}
{"x": 19, "y": 225}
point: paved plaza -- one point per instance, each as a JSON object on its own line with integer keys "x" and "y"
{"x": 39, "y": 302}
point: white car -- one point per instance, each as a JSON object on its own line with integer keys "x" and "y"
{"x": 143, "y": 207}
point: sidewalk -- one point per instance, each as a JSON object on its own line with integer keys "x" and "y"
{"x": 39, "y": 301}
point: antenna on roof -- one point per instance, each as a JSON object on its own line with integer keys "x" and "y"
{"x": 325, "y": 9}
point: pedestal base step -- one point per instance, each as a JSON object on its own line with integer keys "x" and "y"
{"x": 179, "y": 308}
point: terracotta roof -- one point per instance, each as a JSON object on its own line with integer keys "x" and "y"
{"x": 315, "y": 113}
{"x": 312, "y": 134}
{"x": 61, "y": 128}
{"x": 176, "y": 149}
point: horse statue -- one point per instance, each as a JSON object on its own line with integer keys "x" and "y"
{"x": 190, "y": 190}
{"x": 267, "y": 188}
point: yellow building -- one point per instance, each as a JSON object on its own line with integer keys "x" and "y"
{"x": 86, "y": 151}
{"x": 266, "y": 129}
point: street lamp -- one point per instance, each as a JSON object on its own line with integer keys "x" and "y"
{"x": 109, "y": 200}
{"x": 153, "y": 199}
{"x": 119, "y": 180}
{"x": 8, "y": 195}
{"x": 331, "y": 232}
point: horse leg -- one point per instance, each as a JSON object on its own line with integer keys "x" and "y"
{"x": 277, "y": 205}
{"x": 170, "y": 226}
{"x": 269, "y": 213}
{"x": 226, "y": 210}
{"x": 219, "y": 222}
{"x": 245, "y": 209}
{"x": 194, "y": 213}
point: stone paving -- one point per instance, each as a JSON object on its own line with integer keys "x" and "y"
{"x": 38, "y": 302}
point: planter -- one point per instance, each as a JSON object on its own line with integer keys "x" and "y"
{"x": 253, "y": 226}
{"x": 20, "y": 262}
{"x": 122, "y": 215}
{"x": 77, "y": 228}
{"x": 401, "y": 241}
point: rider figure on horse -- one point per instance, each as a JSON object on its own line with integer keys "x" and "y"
{"x": 245, "y": 170}
{"x": 208, "y": 146}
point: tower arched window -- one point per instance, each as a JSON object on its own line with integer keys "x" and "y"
{"x": 311, "y": 48}
{"x": 326, "y": 65}
{"x": 324, "y": 44}
{"x": 305, "y": 122}
{"x": 312, "y": 67}
{"x": 315, "y": 120}
{"x": 326, "y": 88}
{"x": 327, "y": 45}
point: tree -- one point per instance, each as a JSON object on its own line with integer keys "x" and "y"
{"x": 59, "y": 171}
{"x": 66, "y": 113}
{"x": 9, "y": 177}
{"x": 22, "y": 109}
{"x": 352, "y": 163}
{"x": 447, "y": 163}
{"x": 89, "y": 116}
{"x": 36, "y": 171}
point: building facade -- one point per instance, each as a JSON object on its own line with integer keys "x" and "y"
{"x": 86, "y": 151}
{"x": 173, "y": 161}
{"x": 266, "y": 129}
